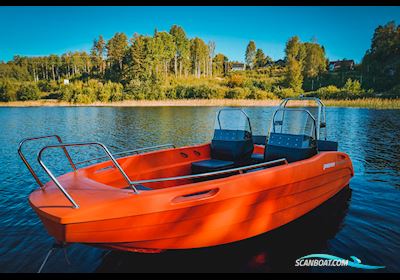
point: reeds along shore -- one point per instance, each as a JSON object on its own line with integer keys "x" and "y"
{"x": 372, "y": 103}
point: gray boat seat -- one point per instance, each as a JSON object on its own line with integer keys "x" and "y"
{"x": 211, "y": 165}
{"x": 229, "y": 148}
{"x": 289, "y": 146}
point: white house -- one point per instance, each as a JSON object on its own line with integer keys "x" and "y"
{"x": 238, "y": 66}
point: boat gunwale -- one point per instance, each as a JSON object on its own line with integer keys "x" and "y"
{"x": 180, "y": 190}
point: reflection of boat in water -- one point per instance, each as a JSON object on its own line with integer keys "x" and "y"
{"x": 198, "y": 196}
{"x": 275, "y": 251}
{"x": 310, "y": 233}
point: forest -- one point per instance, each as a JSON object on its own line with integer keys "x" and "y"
{"x": 169, "y": 65}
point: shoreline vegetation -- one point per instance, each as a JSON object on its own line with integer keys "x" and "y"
{"x": 371, "y": 103}
{"x": 170, "y": 69}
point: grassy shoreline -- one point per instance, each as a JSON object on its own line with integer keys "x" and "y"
{"x": 372, "y": 103}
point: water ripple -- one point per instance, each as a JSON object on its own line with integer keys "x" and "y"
{"x": 364, "y": 225}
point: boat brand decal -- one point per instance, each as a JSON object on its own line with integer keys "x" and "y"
{"x": 329, "y": 260}
{"x": 329, "y": 165}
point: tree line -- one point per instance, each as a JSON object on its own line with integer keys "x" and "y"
{"x": 381, "y": 63}
{"x": 171, "y": 65}
{"x": 122, "y": 59}
{"x": 379, "y": 70}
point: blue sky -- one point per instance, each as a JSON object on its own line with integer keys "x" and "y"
{"x": 345, "y": 32}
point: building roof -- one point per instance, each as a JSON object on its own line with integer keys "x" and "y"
{"x": 280, "y": 62}
{"x": 342, "y": 62}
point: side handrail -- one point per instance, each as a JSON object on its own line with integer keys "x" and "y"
{"x": 22, "y": 156}
{"x": 127, "y": 152}
{"x": 58, "y": 184}
{"x": 202, "y": 175}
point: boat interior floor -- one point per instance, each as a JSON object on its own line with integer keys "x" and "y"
{"x": 219, "y": 165}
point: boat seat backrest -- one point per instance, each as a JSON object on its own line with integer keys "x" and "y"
{"x": 228, "y": 135}
{"x": 232, "y": 145}
{"x": 289, "y": 146}
{"x": 289, "y": 140}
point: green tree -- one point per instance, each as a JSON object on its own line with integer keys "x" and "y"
{"x": 219, "y": 64}
{"x": 167, "y": 49}
{"x": 250, "y": 54}
{"x": 352, "y": 86}
{"x": 55, "y": 63}
{"x": 153, "y": 53}
{"x": 86, "y": 63}
{"x": 294, "y": 77}
{"x": 116, "y": 50}
{"x": 19, "y": 68}
{"x": 294, "y": 56}
{"x": 28, "y": 91}
{"x": 97, "y": 54}
{"x": 12, "y": 71}
{"x": 66, "y": 62}
{"x": 260, "y": 59}
{"x": 314, "y": 62}
{"x": 182, "y": 47}
{"x": 8, "y": 90}
{"x": 199, "y": 56}
{"x": 381, "y": 63}
{"x": 295, "y": 49}
{"x": 135, "y": 59}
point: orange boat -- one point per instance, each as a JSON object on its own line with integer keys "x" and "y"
{"x": 236, "y": 187}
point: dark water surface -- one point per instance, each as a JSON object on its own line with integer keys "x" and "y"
{"x": 362, "y": 220}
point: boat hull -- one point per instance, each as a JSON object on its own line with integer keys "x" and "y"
{"x": 194, "y": 215}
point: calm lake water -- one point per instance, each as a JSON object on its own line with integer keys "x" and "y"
{"x": 362, "y": 220}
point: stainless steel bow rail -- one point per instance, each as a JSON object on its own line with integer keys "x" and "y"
{"x": 39, "y": 158}
{"x": 63, "y": 146}
{"x": 132, "y": 184}
{"x": 27, "y": 163}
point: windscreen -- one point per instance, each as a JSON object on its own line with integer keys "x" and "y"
{"x": 293, "y": 121}
{"x": 232, "y": 119}
{"x": 313, "y": 105}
